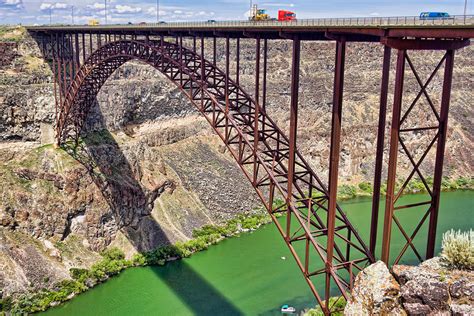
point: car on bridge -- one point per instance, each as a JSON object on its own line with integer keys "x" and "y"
{"x": 435, "y": 16}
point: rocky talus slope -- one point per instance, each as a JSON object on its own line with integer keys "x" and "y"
{"x": 149, "y": 170}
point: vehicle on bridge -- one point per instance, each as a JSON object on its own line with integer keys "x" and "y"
{"x": 93, "y": 22}
{"x": 284, "y": 15}
{"x": 257, "y": 14}
{"x": 434, "y": 16}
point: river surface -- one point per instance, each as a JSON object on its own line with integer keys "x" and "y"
{"x": 244, "y": 275}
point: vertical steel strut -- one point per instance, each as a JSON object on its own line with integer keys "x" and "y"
{"x": 442, "y": 133}
{"x": 380, "y": 147}
{"x": 295, "y": 81}
{"x": 393, "y": 154}
{"x": 334, "y": 161}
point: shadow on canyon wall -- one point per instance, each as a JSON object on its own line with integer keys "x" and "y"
{"x": 131, "y": 205}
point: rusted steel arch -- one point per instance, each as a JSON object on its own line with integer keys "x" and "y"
{"x": 258, "y": 145}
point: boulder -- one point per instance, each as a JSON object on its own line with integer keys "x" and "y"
{"x": 433, "y": 289}
{"x": 462, "y": 288}
{"x": 375, "y": 292}
{"x": 462, "y": 309}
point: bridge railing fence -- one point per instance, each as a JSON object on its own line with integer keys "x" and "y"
{"x": 353, "y": 21}
{"x": 375, "y": 21}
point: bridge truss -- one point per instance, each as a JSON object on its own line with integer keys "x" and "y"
{"x": 326, "y": 246}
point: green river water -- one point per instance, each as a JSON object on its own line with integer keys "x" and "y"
{"x": 243, "y": 275}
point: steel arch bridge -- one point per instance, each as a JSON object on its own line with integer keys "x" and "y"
{"x": 327, "y": 247}
{"x": 257, "y": 144}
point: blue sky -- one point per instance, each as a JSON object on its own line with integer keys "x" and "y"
{"x": 123, "y": 11}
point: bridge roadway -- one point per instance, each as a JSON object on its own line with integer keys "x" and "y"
{"x": 327, "y": 247}
{"x": 358, "y": 29}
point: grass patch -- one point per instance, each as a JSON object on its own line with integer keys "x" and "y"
{"x": 32, "y": 64}
{"x": 12, "y": 33}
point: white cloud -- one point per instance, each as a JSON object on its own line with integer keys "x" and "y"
{"x": 96, "y": 6}
{"x": 152, "y": 11}
{"x": 126, "y": 9}
{"x": 11, "y": 2}
{"x": 280, "y": 5}
{"x": 53, "y": 6}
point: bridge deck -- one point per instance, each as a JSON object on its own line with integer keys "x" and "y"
{"x": 364, "y": 28}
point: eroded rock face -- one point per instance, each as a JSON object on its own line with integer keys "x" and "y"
{"x": 376, "y": 292}
{"x": 428, "y": 289}
{"x": 432, "y": 288}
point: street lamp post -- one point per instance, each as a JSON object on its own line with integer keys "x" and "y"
{"x": 105, "y": 11}
{"x": 50, "y": 16}
{"x": 72, "y": 14}
{"x": 465, "y": 7}
{"x": 157, "y": 11}
{"x": 250, "y": 10}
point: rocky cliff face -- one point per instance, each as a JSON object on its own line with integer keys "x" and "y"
{"x": 150, "y": 169}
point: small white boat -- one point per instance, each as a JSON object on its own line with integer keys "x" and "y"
{"x": 287, "y": 309}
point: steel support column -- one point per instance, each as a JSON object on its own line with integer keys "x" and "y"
{"x": 393, "y": 153}
{"x": 334, "y": 158}
{"x": 83, "y": 41}
{"x": 380, "y": 147}
{"x": 203, "y": 71}
{"x": 237, "y": 66}
{"x": 442, "y": 132}
{"x": 264, "y": 83}
{"x": 227, "y": 71}
{"x": 295, "y": 79}
{"x": 256, "y": 135}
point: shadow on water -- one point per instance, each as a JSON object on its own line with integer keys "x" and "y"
{"x": 131, "y": 205}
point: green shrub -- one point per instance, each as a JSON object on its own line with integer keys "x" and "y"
{"x": 113, "y": 254}
{"x": 6, "y": 304}
{"x": 347, "y": 191}
{"x": 79, "y": 274}
{"x": 139, "y": 259}
{"x": 209, "y": 230}
{"x": 458, "y": 249}
{"x": 365, "y": 187}
{"x": 336, "y": 303}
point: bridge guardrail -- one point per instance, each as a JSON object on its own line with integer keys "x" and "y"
{"x": 455, "y": 20}
{"x": 356, "y": 21}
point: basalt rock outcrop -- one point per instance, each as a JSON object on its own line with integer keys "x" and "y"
{"x": 428, "y": 289}
{"x": 376, "y": 292}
